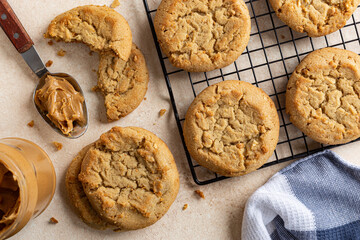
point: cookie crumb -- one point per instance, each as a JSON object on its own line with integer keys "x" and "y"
{"x": 200, "y": 193}
{"x": 61, "y": 53}
{"x": 135, "y": 58}
{"x": 282, "y": 36}
{"x": 58, "y": 145}
{"x": 51, "y": 42}
{"x": 31, "y": 124}
{"x": 145, "y": 98}
{"x": 115, "y": 4}
{"x": 185, "y": 206}
{"x": 53, "y": 220}
{"x": 94, "y": 70}
{"x": 162, "y": 112}
{"x": 49, "y": 63}
{"x": 91, "y": 53}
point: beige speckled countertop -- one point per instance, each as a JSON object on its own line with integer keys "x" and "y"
{"x": 218, "y": 216}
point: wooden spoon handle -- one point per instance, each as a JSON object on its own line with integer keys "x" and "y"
{"x": 13, "y": 28}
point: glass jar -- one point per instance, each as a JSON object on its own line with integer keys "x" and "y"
{"x": 35, "y": 176}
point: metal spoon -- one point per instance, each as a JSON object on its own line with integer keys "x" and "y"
{"x": 23, "y": 43}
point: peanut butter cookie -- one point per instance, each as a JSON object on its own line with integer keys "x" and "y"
{"x": 323, "y": 96}
{"x": 202, "y": 35}
{"x": 130, "y": 177}
{"x": 78, "y": 197}
{"x": 315, "y": 17}
{"x": 123, "y": 83}
{"x": 100, "y": 27}
{"x": 231, "y": 128}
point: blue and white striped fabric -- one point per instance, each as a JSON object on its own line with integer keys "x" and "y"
{"x": 317, "y": 197}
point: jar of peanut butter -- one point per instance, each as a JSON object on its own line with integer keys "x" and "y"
{"x": 27, "y": 184}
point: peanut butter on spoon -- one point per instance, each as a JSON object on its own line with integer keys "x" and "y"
{"x": 62, "y": 104}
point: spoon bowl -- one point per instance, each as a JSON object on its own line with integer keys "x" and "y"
{"x": 78, "y": 129}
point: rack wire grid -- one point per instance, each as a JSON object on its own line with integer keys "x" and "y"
{"x": 273, "y": 52}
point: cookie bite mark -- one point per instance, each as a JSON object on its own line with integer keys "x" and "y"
{"x": 100, "y": 27}
{"x": 123, "y": 83}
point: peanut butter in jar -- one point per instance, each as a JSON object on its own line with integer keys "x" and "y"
{"x": 27, "y": 184}
{"x": 9, "y": 198}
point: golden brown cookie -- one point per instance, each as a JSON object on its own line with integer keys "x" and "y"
{"x": 123, "y": 83}
{"x": 315, "y": 17}
{"x": 100, "y": 27}
{"x": 231, "y": 128}
{"x": 322, "y": 96}
{"x": 78, "y": 197}
{"x": 130, "y": 177}
{"x": 202, "y": 35}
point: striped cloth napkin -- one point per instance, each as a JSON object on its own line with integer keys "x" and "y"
{"x": 317, "y": 197}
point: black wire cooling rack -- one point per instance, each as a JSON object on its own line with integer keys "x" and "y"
{"x": 273, "y": 52}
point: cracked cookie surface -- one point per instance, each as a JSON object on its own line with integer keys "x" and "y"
{"x": 123, "y": 83}
{"x": 202, "y": 35}
{"x": 315, "y": 17}
{"x": 231, "y": 128}
{"x": 130, "y": 177}
{"x": 100, "y": 27}
{"x": 323, "y": 96}
{"x": 78, "y": 197}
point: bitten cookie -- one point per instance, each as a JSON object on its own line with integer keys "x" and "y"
{"x": 100, "y": 27}
{"x": 231, "y": 128}
{"x": 123, "y": 83}
{"x": 316, "y": 17}
{"x": 130, "y": 177}
{"x": 78, "y": 197}
{"x": 322, "y": 96}
{"x": 202, "y": 35}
